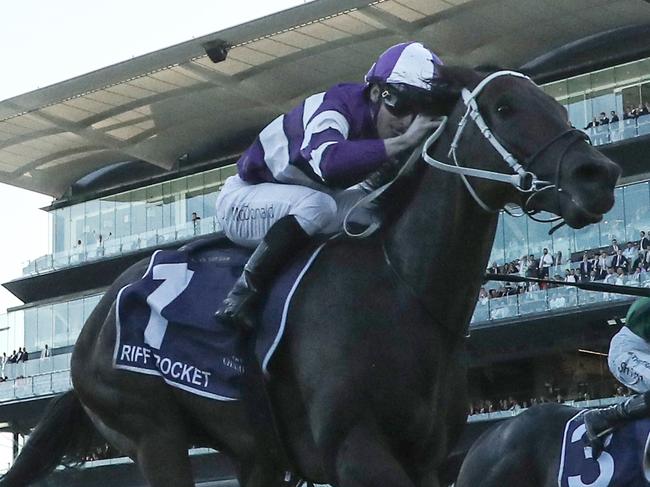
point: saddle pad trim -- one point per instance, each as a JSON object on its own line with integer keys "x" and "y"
{"x": 285, "y": 310}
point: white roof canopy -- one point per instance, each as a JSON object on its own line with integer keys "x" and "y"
{"x": 160, "y": 106}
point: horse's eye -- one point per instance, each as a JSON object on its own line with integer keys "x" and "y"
{"x": 504, "y": 109}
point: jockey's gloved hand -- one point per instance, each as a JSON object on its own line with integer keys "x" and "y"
{"x": 596, "y": 430}
{"x": 421, "y": 126}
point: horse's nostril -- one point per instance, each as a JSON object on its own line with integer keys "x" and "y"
{"x": 591, "y": 173}
{"x": 587, "y": 172}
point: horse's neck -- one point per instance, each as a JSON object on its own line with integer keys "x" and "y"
{"x": 440, "y": 245}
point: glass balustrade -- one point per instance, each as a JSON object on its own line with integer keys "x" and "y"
{"x": 554, "y": 299}
{"x": 617, "y": 131}
{"x": 120, "y": 245}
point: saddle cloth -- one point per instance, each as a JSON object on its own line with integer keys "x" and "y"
{"x": 621, "y": 464}
{"x": 166, "y": 327}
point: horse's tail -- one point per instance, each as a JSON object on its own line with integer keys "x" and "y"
{"x": 64, "y": 431}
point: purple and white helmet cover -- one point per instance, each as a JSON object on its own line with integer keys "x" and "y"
{"x": 407, "y": 63}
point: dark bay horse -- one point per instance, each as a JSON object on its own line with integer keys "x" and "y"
{"x": 369, "y": 384}
{"x": 523, "y": 450}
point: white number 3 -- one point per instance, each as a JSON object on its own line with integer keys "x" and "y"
{"x": 605, "y": 463}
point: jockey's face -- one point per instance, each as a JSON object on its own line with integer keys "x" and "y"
{"x": 388, "y": 124}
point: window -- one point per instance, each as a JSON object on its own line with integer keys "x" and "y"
{"x": 60, "y": 338}
{"x": 45, "y": 326}
{"x": 498, "y": 248}
{"x": 613, "y": 224}
{"x": 75, "y": 318}
{"x": 516, "y": 242}
{"x": 637, "y": 210}
{"x": 31, "y": 329}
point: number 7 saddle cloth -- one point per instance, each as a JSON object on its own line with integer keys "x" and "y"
{"x": 621, "y": 464}
{"x": 166, "y": 326}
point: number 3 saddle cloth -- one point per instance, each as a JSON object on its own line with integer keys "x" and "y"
{"x": 621, "y": 464}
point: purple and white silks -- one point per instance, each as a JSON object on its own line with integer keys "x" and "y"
{"x": 328, "y": 140}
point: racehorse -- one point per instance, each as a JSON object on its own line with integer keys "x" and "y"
{"x": 526, "y": 449}
{"x": 368, "y": 385}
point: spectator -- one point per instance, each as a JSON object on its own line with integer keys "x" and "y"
{"x": 613, "y": 117}
{"x": 494, "y": 269}
{"x": 631, "y": 252}
{"x": 620, "y": 276}
{"x": 614, "y": 247}
{"x": 533, "y": 268}
{"x": 195, "y": 222}
{"x": 601, "y": 266}
{"x": 545, "y": 264}
{"x": 611, "y": 276}
{"x": 13, "y": 357}
{"x": 603, "y": 120}
{"x": 3, "y": 364}
{"x": 46, "y": 352}
{"x": 593, "y": 276}
{"x": 558, "y": 258}
{"x": 639, "y": 273}
{"x": 592, "y": 124}
{"x": 483, "y": 296}
{"x": 570, "y": 275}
{"x": 644, "y": 242}
{"x": 619, "y": 260}
{"x": 586, "y": 267}
{"x": 642, "y": 110}
{"x": 628, "y": 114}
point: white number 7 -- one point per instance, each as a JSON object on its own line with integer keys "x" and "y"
{"x": 176, "y": 278}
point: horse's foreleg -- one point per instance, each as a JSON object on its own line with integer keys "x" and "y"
{"x": 362, "y": 459}
{"x": 163, "y": 459}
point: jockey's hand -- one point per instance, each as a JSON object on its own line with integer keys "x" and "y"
{"x": 420, "y": 127}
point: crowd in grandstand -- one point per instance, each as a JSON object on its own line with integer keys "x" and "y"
{"x": 616, "y": 264}
{"x": 630, "y": 113}
{"x": 18, "y": 357}
{"x": 516, "y": 404}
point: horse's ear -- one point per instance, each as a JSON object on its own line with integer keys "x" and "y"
{"x": 446, "y": 87}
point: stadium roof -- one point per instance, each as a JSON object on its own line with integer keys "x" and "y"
{"x": 161, "y": 106}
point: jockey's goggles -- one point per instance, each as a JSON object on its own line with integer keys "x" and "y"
{"x": 396, "y": 105}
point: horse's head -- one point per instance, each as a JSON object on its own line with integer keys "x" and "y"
{"x": 510, "y": 128}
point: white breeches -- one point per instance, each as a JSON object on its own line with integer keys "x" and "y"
{"x": 630, "y": 365}
{"x": 247, "y": 211}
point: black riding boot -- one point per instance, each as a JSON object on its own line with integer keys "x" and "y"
{"x": 599, "y": 422}
{"x": 283, "y": 239}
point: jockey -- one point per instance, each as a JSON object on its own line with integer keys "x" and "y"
{"x": 629, "y": 361}
{"x": 301, "y": 175}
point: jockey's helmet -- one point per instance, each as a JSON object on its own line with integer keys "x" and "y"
{"x": 638, "y": 318}
{"x": 405, "y": 73}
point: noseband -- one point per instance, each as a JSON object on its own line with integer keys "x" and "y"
{"x": 523, "y": 179}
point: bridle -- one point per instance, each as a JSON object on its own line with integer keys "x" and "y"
{"x": 522, "y": 178}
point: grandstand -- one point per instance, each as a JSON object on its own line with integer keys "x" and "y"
{"x": 131, "y": 152}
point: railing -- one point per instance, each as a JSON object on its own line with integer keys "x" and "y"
{"x": 621, "y": 130}
{"x": 531, "y": 302}
{"x": 117, "y": 246}
{"x": 38, "y": 377}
